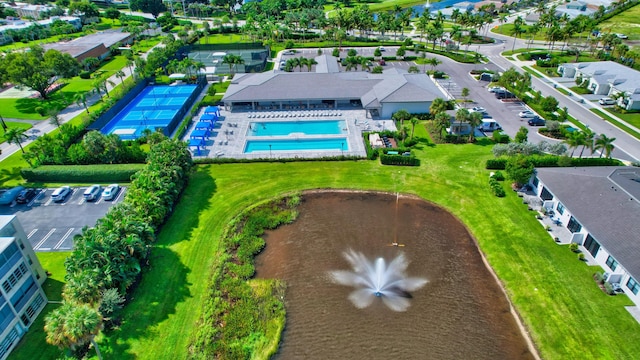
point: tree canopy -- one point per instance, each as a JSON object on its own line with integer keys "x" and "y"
{"x": 153, "y": 7}
{"x": 38, "y": 69}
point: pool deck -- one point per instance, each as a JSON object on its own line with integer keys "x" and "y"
{"x": 229, "y": 136}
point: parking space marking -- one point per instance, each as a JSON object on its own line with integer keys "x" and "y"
{"x": 31, "y": 233}
{"x": 37, "y": 247}
{"x": 119, "y": 195}
{"x": 64, "y": 237}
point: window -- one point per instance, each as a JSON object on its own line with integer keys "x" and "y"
{"x": 6, "y": 317}
{"x": 573, "y": 225}
{"x": 23, "y": 294}
{"x": 560, "y": 208}
{"x": 21, "y": 244}
{"x": 535, "y": 181}
{"x": 612, "y": 263}
{"x": 545, "y": 194}
{"x": 7, "y": 231}
{"x": 7, "y": 342}
{"x": 17, "y": 274}
{"x": 591, "y": 245}
{"x": 633, "y": 286}
{"x": 25, "y": 319}
{"x": 34, "y": 306}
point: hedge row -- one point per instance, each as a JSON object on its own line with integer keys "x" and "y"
{"x": 101, "y": 174}
{"x": 399, "y": 160}
{"x": 555, "y": 161}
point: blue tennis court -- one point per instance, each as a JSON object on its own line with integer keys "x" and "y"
{"x": 153, "y": 108}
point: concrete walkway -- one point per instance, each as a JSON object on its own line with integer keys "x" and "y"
{"x": 43, "y": 126}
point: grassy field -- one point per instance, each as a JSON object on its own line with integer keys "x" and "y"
{"x": 625, "y": 22}
{"x": 607, "y": 117}
{"x": 563, "y": 309}
{"x": 53, "y": 262}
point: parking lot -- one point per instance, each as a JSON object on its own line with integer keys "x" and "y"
{"x": 51, "y": 226}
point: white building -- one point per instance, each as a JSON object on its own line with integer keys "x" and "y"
{"x": 607, "y": 78}
{"x": 21, "y": 278}
{"x": 600, "y": 207}
{"x": 379, "y": 94}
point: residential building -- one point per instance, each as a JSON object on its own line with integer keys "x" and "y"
{"x": 380, "y": 94}
{"x": 607, "y": 78}
{"x": 21, "y": 278}
{"x": 600, "y": 207}
{"x": 25, "y": 10}
{"x": 94, "y": 45}
{"x": 21, "y": 24}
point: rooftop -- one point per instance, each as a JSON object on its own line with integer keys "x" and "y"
{"x": 606, "y": 201}
{"x": 622, "y": 77}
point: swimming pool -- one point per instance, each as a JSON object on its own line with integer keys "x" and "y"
{"x": 300, "y": 144}
{"x": 302, "y": 127}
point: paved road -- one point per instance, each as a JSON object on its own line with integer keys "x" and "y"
{"x": 627, "y": 146}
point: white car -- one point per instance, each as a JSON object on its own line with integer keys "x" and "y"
{"x": 479, "y": 109}
{"x": 289, "y": 52}
{"x": 92, "y": 192}
{"x": 527, "y": 114}
{"x": 381, "y": 48}
{"x": 110, "y": 192}
{"x": 622, "y": 36}
{"x": 495, "y": 88}
{"x": 60, "y": 193}
{"x": 607, "y": 101}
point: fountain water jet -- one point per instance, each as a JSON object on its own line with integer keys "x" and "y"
{"x": 376, "y": 279}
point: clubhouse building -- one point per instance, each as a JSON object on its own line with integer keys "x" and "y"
{"x": 327, "y": 88}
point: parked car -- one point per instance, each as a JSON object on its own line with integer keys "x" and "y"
{"x": 382, "y": 62}
{"x": 622, "y": 36}
{"x": 289, "y": 52}
{"x": 493, "y": 89}
{"x": 527, "y": 114}
{"x": 111, "y": 191}
{"x": 27, "y": 195}
{"x": 536, "y": 121}
{"x": 61, "y": 193}
{"x": 607, "y": 101}
{"x": 504, "y": 94}
{"x": 489, "y": 125}
{"x": 479, "y": 109}
{"x": 92, "y": 193}
{"x": 381, "y": 48}
{"x": 10, "y": 195}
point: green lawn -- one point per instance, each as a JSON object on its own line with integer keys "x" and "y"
{"x": 607, "y": 117}
{"x": 631, "y": 118}
{"x": 625, "y": 22}
{"x": 563, "y": 309}
{"x": 53, "y": 262}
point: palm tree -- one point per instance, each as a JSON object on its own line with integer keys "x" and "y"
{"x": 433, "y": 62}
{"x": 55, "y": 119}
{"x": 475, "y": 119}
{"x": 401, "y": 115}
{"x": 80, "y": 98}
{"x": 588, "y": 136}
{"x": 414, "y": 122}
{"x": 574, "y": 140}
{"x": 438, "y": 105}
{"x": 120, "y": 74}
{"x": 605, "y": 144}
{"x": 517, "y": 30}
{"x": 464, "y": 94}
{"x": 73, "y": 325}
{"x": 232, "y": 61}
{"x": 462, "y": 115}
{"x": 16, "y": 136}
{"x": 442, "y": 121}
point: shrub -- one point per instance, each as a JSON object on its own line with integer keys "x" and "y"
{"x": 85, "y": 74}
{"x": 399, "y": 160}
{"x": 496, "y": 164}
{"x": 581, "y": 257}
{"x": 607, "y": 287}
{"x": 573, "y": 247}
{"x": 496, "y": 188}
{"x": 40, "y": 110}
{"x": 498, "y": 175}
{"x": 82, "y": 173}
{"x": 598, "y": 277}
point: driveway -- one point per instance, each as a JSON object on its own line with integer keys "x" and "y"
{"x": 51, "y": 226}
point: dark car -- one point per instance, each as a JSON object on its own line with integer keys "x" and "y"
{"x": 10, "y": 195}
{"x": 536, "y": 121}
{"x": 504, "y": 94}
{"x": 27, "y": 195}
